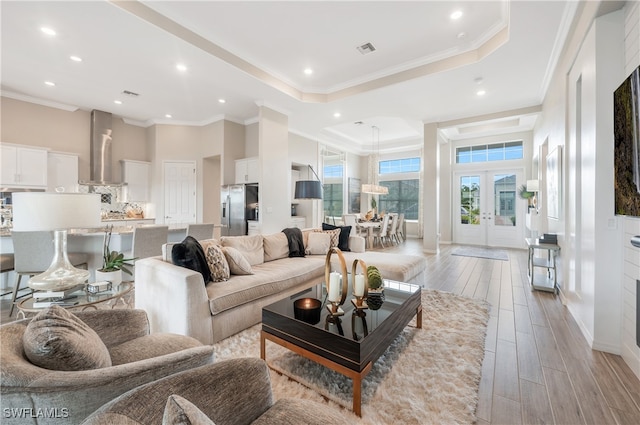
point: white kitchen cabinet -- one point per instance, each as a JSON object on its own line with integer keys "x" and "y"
{"x": 23, "y": 166}
{"x": 247, "y": 170}
{"x": 62, "y": 172}
{"x": 253, "y": 227}
{"x": 136, "y": 175}
{"x": 299, "y": 222}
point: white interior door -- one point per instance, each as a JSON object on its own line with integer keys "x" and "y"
{"x": 488, "y": 210}
{"x": 179, "y": 192}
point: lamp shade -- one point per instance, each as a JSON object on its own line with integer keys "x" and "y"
{"x": 35, "y": 211}
{"x": 308, "y": 189}
{"x": 533, "y": 185}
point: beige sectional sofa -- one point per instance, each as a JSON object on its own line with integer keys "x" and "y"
{"x": 177, "y": 300}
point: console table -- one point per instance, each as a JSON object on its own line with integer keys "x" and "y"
{"x": 547, "y": 281}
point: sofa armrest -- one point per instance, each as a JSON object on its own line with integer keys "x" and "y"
{"x": 357, "y": 243}
{"x": 229, "y": 391}
{"x": 175, "y": 299}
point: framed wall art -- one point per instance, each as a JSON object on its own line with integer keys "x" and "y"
{"x": 554, "y": 183}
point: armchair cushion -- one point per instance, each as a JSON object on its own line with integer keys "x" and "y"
{"x": 180, "y": 411}
{"x": 150, "y": 346}
{"x": 58, "y": 340}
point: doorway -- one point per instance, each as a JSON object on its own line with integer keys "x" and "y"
{"x": 487, "y": 209}
{"x": 179, "y": 192}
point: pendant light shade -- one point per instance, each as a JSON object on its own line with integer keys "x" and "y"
{"x": 373, "y": 187}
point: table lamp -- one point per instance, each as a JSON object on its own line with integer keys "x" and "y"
{"x": 57, "y": 212}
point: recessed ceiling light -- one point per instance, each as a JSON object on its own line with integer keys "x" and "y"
{"x": 222, "y": 100}
{"x": 167, "y": 116}
{"x": 181, "y": 67}
{"x": 481, "y": 92}
{"x": 308, "y": 71}
{"x": 75, "y": 58}
{"x": 456, "y": 15}
{"x": 117, "y": 102}
{"x": 48, "y": 31}
{"x": 50, "y": 83}
{"x": 337, "y": 114}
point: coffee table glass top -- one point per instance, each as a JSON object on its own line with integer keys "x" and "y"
{"x": 354, "y": 324}
{"x": 81, "y": 298}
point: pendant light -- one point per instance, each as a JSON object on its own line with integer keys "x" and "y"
{"x": 373, "y": 187}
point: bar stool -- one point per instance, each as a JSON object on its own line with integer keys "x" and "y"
{"x": 6, "y": 265}
{"x": 200, "y": 231}
{"x": 33, "y": 252}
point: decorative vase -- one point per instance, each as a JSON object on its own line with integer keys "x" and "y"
{"x": 375, "y": 298}
{"x": 114, "y": 277}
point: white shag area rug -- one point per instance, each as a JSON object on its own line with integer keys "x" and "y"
{"x": 427, "y": 376}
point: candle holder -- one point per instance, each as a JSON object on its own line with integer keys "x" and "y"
{"x": 335, "y": 295}
{"x": 360, "y": 294}
{"x": 307, "y": 310}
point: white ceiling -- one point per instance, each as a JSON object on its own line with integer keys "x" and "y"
{"x": 251, "y": 53}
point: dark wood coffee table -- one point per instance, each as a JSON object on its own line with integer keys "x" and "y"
{"x": 351, "y": 345}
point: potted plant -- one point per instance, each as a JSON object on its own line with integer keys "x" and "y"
{"x": 375, "y": 292}
{"x": 113, "y": 262}
{"x": 525, "y": 194}
{"x": 374, "y": 206}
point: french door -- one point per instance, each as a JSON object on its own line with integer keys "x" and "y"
{"x": 487, "y": 210}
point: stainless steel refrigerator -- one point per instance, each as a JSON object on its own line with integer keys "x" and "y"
{"x": 239, "y": 203}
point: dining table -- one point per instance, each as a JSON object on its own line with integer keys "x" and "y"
{"x": 369, "y": 226}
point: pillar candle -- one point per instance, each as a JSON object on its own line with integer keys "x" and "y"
{"x": 358, "y": 287}
{"x": 334, "y": 287}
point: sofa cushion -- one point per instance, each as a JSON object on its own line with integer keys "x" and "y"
{"x": 250, "y": 246}
{"x": 343, "y": 237}
{"x": 276, "y": 246}
{"x": 319, "y": 243}
{"x": 189, "y": 254}
{"x": 56, "y": 339}
{"x": 150, "y": 346}
{"x": 270, "y": 278}
{"x": 217, "y": 263}
{"x": 238, "y": 265}
{"x": 334, "y": 233}
{"x": 168, "y": 247}
{"x": 180, "y": 411}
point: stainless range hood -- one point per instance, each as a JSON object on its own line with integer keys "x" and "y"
{"x": 100, "y": 161}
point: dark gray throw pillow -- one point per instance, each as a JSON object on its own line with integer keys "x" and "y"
{"x": 189, "y": 254}
{"x": 343, "y": 240}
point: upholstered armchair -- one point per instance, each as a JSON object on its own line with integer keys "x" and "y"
{"x": 36, "y": 395}
{"x": 236, "y": 391}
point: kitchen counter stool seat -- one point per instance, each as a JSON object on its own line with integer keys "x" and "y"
{"x": 33, "y": 253}
{"x": 6, "y": 265}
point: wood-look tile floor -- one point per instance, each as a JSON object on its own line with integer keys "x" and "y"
{"x": 538, "y": 368}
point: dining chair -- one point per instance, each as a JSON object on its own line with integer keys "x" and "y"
{"x": 33, "y": 253}
{"x": 393, "y": 228}
{"x": 200, "y": 231}
{"x": 381, "y": 233}
{"x": 352, "y": 220}
{"x": 401, "y": 229}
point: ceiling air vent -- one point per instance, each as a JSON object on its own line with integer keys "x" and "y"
{"x": 130, "y": 93}
{"x": 366, "y": 48}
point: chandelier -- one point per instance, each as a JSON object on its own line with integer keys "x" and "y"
{"x": 373, "y": 187}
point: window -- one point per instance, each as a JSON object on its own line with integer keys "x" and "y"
{"x": 494, "y": 152}
{"x": 402, "y": 198}
{"x": 405, "y": 165}
{"x": 333, "y": 171}
{"x": 332, "y": 199}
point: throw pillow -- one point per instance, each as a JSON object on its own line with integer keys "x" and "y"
{"x": 57, "y": 339}
{"x": 217, "y": 263}
{"x": 189, "y": 254}
{"x": 319, "y": 243}
{"x": 343, "y": 238}
{"x": 334, "y": 234}
{"x": 276, "y": 246}
{"x": 237, "y": 263}
{"x": 180, "y": 411}
{"x": 250, "y": 246}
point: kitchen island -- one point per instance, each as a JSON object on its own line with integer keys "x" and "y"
{"x": 91, "y": 241}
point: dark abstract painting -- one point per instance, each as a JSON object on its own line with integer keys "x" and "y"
{"x": 626, "y": 110}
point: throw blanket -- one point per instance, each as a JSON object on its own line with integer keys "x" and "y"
{"x": 296, "y": 243}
